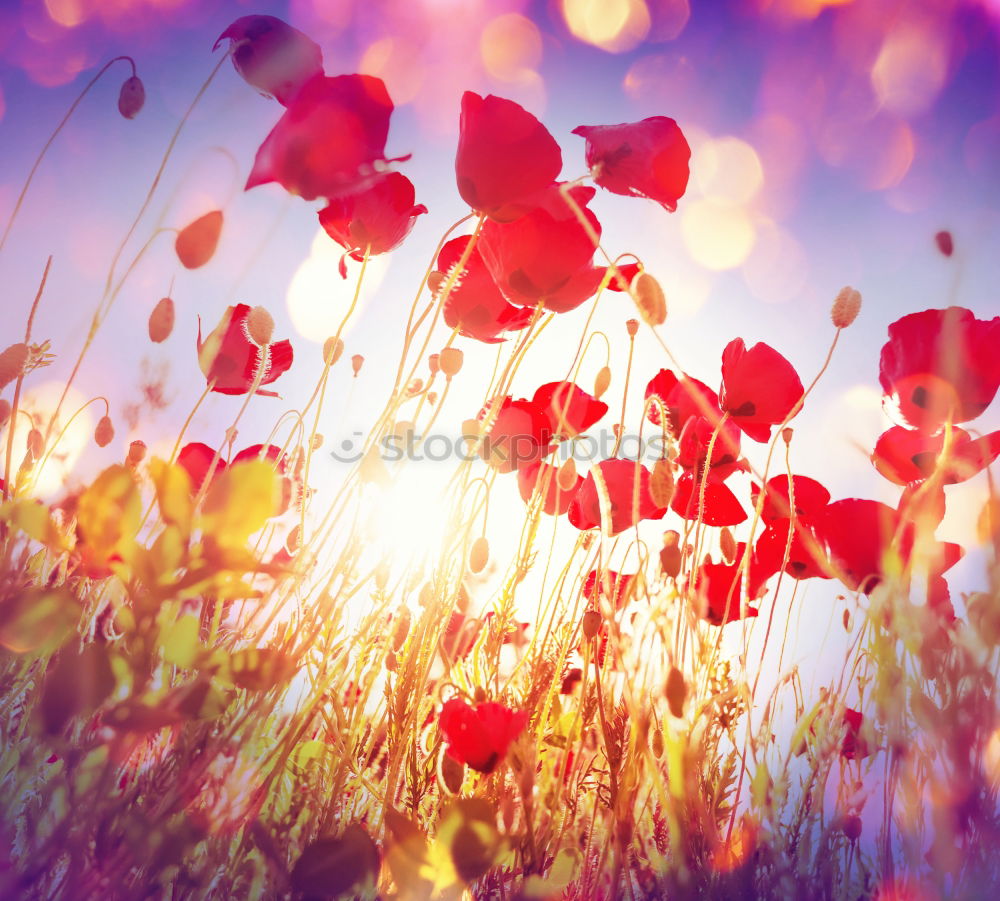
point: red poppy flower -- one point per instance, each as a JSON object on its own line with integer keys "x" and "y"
{"x": 556, "y": 501}
{"x": 272, "y": 56}
{"x": 479, "y": 736}
{"x": 805, "y": 554}
{"x": 196, "y": 458}
{"x": 331, "y": 140}
{"x": 230, "y": 360}
{"x": 904, "y": 455}
{"x": 718, "y": 591}
{"x": 377, "y": 219}
{"x": 810, "y": 497}
{"x": 505, "y": 155}
{"x": 546, "y": 255}
{"x": 475, "y": 305}
{"x": 683, "y": 397}
{"x": 759, "y": 387}
{"x": 697, "y": 436}
{"x": 519, "y": 437}
{"x": 625, "y": 487}
{"x": 611, "y": 585}
{"x": 639, "y": 159}
{"x": 939, "y": 365}
{"x": 720, "y": 506}
{"x": 854, "y": 745}
{"x": 570, "y": 409}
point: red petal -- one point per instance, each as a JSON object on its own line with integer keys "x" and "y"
{"x": 195, "y": 244}
{"x": 623, "y": 486}
{"x": 810, "y": 497}
{"x": 760, "y": 388}
{"x": 519, "y": 437}
{"x": 570, "y": 409}
{"x": 556, "y": 501}
{"x": 195, "y": 459}
{"x": 721, "y": 507}
{"x": 905, "y": 455}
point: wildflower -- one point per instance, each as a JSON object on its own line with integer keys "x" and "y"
{"x": 905, "y": 456}
{"x": 231, "y": 361}
{"x": 616, "y": 587}
{"x": 374, "y": 221}
{"x": 161, "y": 321}
{"x": 846, "y": 307}
{"x": 545, "y": 255}
{"x": 714, "y": 504}
{"x": 272, "y": 56}
{"x": 639, "y": 159}
{"x": 805, "y": 555}
{"x": 479, "y": 736}
{"x": 854, "y": 745}
{"x": 131, "y": 97}
{"x": 624, "y": 485}
{"x": 760, "y": 388}
{"x": 331, "y": 140}
{"x": 940, "y": 365}
{"x": 196, "y": 458}
{"x": 683, "y": 397}
{"x": 474, "y": 305}
{"x": 569, "y": 408}
{"x": 519, "y": 437}
{"x": 196, "y": 242}
{"x": 557, "y": 497}
{"x": 505, "y": 155}
{"x": 717, "y": 589}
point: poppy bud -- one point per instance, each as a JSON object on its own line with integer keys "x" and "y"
{"x": 136, "y": 453}
{"x": 35, "y": 444}
{"x": 332, "y": 349}
{"x": 12, "y": 362}
{"x": 479, "y": 554}
{"x": 434, "y": 281}
{"x": 479, "y": 694}
{"x": 845, "y": 307}
{"x": 670, "y": 556}
{"x": 260, "y": 326}
{"x": 415, "y": 387}
{"x": 602, "y": 381}
{"x": 432, "y": 397}
{"x": 945, "y": 243}
{"x": 131, "y": 97}
{"x": 656, "y": 744}
{"x": 632, "y": 327}
{"x": 161, "y": 321}
{"x": 195, "y": 243}
{"x": 591, "y": 623}
{"x": 391, "y": 663}
{"x": 661, "y": 483}
{"x": 452, "y": 773}
{"x": 566, "y": 477}
{"x": 4, "y": 412}
{"x": 786, "y": 434}
{"x": 450, "y": 360}
{"x": 727, "y": 544}
{"x": 852, "y": 827}
{"x": 402, "y": 629}
{"x": 357, "y": 361}
{"x": 675, "y": 691}
{"x": 105, "y": 431}
{"x": 649, "y": 298}
{"x": 434, "y": 363}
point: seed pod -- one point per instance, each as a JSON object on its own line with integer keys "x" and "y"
{"x": 656, "y": 744}
{"x": 727, "y": 544}
{"x": 676, "y": 691}
{"x": 260, "y": 326}
{"x": 846, "y": 307}
{"x": 591, "y": 623}
{"x": 661, "y": 483}
{"x": 136, "y": 453}
{"x": 434, "y": 363}
{"x": 945, "y": 243}
{"x": 632, "y": 327}
{"x": 566, "y": 477}
{"x": 161, "y": 321}
{"x": 852, "y": 827}
{"x": 195, "y": 244}
{"x": 131, "y": 97}
{"x": 12, "y": 362}
{"x": 786, "y": 434}
{"x": 105, "y": 431}
{"x": 4, "y": 412}
{"x": 671, "y": 557}
{"x": 452, "y": 773}
{"x": 391, "y": 663}
{"x": 35, "y": 444}
{"x": 450, "y": 360}
{"x": 602, "y": 381}
{"x": 357, "y": 361}
{"x": 649, "y": 298}
{"x": 479, "y": 554}
{"x": 332, "y": 349}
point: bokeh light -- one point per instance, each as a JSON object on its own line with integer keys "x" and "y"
{"x": 612, "y": 25}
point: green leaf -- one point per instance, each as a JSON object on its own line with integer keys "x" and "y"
{"x": 337, "y": 867}
{"x": 77, "y": 685}
{"x": 38, "y": 620}
{"x": 468, "y": 829}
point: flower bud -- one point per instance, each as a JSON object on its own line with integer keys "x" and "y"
{"x": 105, "y": 431}
{"x": 671, "y": 557}
{"x": 35, "y": 443}
{"x": 727, "y": 545}
{"x": 136, "y": 453}
{"x": 649, "y": 298}
{"x": 945, "y": 243}
{"x": 161, "y": 321}
{"x": 357, "y": 361}
{"x": 131, "y": 97}
{"x": 591, "y": 623}
{"x": 852, "y": 827}
{"x": 434, "y": 363}
{"x": 566, "y": 476}
{"x": 479, "y": 554}
{"x": 391, "y": 663}
{"x": 260, "y": 326}
{"x": 12, "y": 362}
{"x": 845, "y": 307}
{"x": 294, "y": 539}
{"x": 675, "y": 691}
{"x": 786, "y": 434}
{"x": 196, "y": 242}
{"x": 661, "y": 483}
{"x": 632, "y": 327}
{"x": 656, "y": 744}
{"x": 450, "y": 360}
{"x": 602, "y": 381}
{"x": 432, "y": 397}
{"x": 332, "y": 349}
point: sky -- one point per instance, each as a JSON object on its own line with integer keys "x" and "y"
{"x": 831, "y": 141}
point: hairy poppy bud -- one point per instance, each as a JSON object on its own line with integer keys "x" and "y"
{"x": 4, "y": 412}
{"x": 450, "y": 360}
{"x": 656, "y": 744}
{"x": 332, "y": 349}
{"x": 357, "y": 361}
{"x": 391, "y": 663}
{"x": 852, "y": 827}
{"x": 136, "y": 453}
{"x": 591, "y": 623}
{"x": 786, "y": 434}
{"x": 675, "y": 691}
{"x": 661, "y": 483}
{"x": 727, "y": 545}
{"x": 845, "y": 307}
{"x": 196, "y": 242}
{"x": 161, "y": 321}
{"x": 131, "y": 97}
{"x": 479, "y": 554}
{"x": 671, "y": 556}
{"x": 12, "y": 362}
{"x": 649, "y": 298}
{"x": 104, "y": 432}
{"x": 260, "y": 326}
{"x": 632, "y": 327}
{"x": 602, "y": 381}
{"x": 294, "y": 539}
{"x": 35, "y": 443}
{"x": 566, "y": 477}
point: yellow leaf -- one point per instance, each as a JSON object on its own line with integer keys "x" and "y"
{"x": 39, "y": 620}
{"x": 180, "y": 641}
{"x": 109, "y": 512}
{"x": 34, "y": 519}
{"x": 240, "y": 501}
{"x": 258, "y": 669}
{"x": 174, "y": 493}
